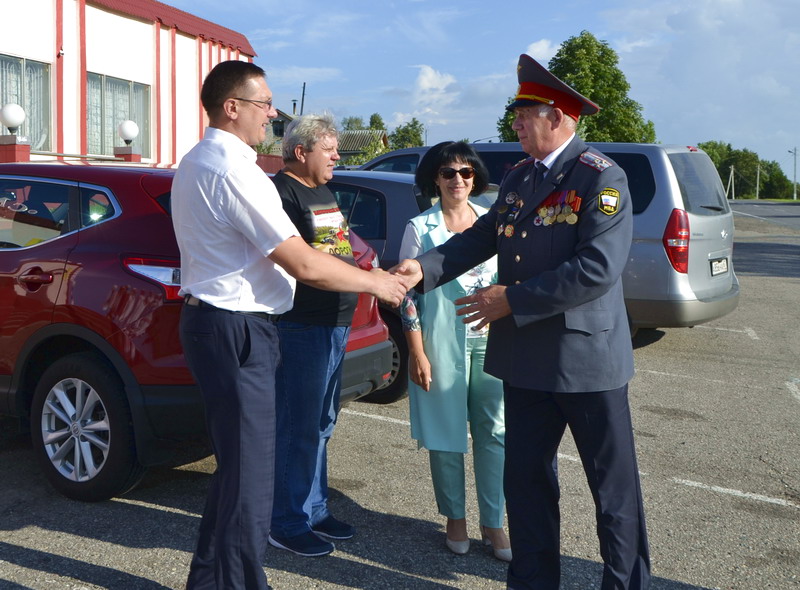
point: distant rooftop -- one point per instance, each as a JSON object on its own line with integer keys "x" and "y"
{"x": 357, "y": 140}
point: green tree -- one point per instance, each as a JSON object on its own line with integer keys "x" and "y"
{"x": 719, "y": 152}
{"x": 352, "y": 123}
{"x": 747, "y": 168}
{"x": 590, "y": 66}
{"x": 407, "y": 135}
{"x": 504, "y": 125}
{"x": 775, "y": 184}
{"x": 376, "y": 121}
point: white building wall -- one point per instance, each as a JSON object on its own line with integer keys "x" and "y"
{"x": 17, "y": 39}
{"x": 121, "y": 47}
{"x": 72, "y": 122}
{"x": 187, "y": 93}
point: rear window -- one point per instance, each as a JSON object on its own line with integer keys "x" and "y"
{"x": 640, "y": 178}
{"x": 364, "y": 210}
{"x": 498, "y": 163}
{"x": 700, "y": 185}
{"x": 405, "y": 163}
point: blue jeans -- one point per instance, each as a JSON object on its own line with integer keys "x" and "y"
{"x": 307, "y": 389}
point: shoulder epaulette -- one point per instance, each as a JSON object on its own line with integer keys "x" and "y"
{"x": 595, "y": 161}
{"x": 522, "y": 162}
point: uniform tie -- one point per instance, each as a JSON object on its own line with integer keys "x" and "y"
{"x": 541, "y": 169}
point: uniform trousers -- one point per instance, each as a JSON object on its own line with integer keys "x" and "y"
{"x": 600, "y": 424}
{"x": 233, "y": 357}
{"x": 485, "y": 416}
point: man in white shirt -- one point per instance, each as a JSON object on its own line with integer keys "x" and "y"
{"x": 240, "y": 257}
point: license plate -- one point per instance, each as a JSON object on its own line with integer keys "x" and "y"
{"x": 719, "y": 266}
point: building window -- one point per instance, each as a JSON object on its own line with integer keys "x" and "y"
{"x": 110, "y": 101}
{"x": 278, "y": 128}
{"x": 27, "y": 83}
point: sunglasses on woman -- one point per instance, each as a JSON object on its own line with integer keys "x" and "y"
{"x": 449, "y": 173}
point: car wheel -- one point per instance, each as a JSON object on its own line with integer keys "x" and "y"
{"x": 396, "y": 387}
{"x": 82, "y": 429}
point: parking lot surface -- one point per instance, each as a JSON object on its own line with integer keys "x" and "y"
{"x": 716, "y": 411}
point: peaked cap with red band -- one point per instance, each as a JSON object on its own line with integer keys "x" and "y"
{"x": 538, "y": 86}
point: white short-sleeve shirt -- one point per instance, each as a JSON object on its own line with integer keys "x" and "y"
{"x": 228, "y": 218}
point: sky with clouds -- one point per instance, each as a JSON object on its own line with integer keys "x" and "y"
{"x": 726, "y": 70}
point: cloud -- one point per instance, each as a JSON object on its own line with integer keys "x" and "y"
{"x": 700, "y": 64}
{"x": 542, "y": 51}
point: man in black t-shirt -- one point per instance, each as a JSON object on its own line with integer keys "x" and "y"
{"x": 313, "y": 336}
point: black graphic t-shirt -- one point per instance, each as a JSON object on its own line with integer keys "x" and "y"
{"x": 316, "y": 215}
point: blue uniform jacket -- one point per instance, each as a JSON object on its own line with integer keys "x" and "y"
{"x": 568, "y": 331}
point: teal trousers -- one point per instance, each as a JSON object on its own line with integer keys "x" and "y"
{"x": 485, "y": 413}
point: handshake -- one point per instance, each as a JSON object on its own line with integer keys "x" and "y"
{"x": 391, "y": 286}
{"x": 484, "y": 306}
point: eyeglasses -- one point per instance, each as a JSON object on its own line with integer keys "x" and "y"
{"x": 262, "y": 104}
{"x": 466, "y": 172}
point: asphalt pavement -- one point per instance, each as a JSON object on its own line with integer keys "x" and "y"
{"x": 716, "y": 412}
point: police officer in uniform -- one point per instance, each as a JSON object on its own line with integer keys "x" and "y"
{"x": 559, "y": 336}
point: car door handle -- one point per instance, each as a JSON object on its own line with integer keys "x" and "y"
{"x": 36, "y": 277}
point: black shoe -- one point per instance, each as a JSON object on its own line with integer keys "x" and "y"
{"x": 334, "y": 529}
{"x": 305, "y": 544}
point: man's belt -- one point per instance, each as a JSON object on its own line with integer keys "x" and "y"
{"x": 195, "y": 302}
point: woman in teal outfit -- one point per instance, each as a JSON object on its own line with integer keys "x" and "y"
{"x": 448, "y": 387}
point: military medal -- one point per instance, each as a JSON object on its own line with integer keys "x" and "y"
{"x": 559, "y": 207}
{"x": 537, "y": 221}
{"x": 511, "y": 197}
{"x": 499, "y": 229}
{"x": 509, "y": 231}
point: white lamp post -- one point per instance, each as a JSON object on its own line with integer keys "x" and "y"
{"x": 13, "y": 148}
{"x": 12, "y": 116}
{"x": 128, "y": 131}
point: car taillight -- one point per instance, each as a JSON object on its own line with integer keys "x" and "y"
{"x": 676, "y": 240}
{"x": 166, "y": 273}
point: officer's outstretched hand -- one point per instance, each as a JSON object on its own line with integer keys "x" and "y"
{"x": 487, "y": 304}
{"x": 410, "y": 270}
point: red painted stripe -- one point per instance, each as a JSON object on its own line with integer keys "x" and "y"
{"x": 174, "y": 106}
{"x": 82, "y": 90}
{"x": 200, "y": 75}
{"x": 59, "y": 67}
{"x": 157, "y": 82}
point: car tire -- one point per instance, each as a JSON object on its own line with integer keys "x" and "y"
{"x": 396, "y": 387}
{"x": 91, "y": 457}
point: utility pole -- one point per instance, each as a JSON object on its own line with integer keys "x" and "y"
{"x": 758, "y": 178}
{"x": 303, "y": 99}
{"x": 731, "y": 188}
{"x": 794, "y": 179}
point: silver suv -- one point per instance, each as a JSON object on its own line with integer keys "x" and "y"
{"x": 680, "y": 270}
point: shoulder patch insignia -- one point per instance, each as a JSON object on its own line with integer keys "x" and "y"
{"x": 608, "y": 201}
{"x": 595, "y": 161}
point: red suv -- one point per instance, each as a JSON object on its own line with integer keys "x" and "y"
{"x": 89, "y": 347}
